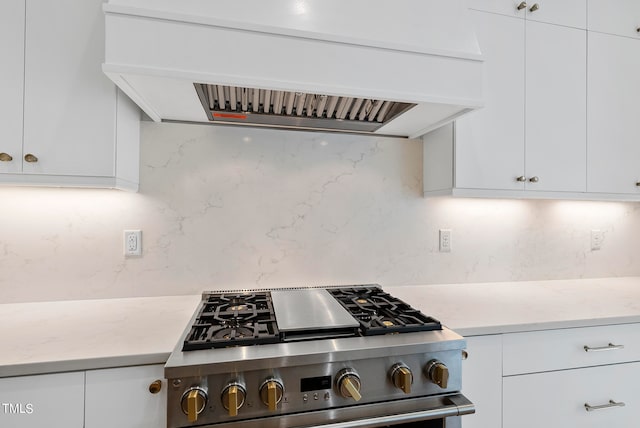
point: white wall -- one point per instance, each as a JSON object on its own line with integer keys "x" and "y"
{"x": 226, "y": 207}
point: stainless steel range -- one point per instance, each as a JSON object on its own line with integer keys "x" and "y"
{"x": 351, "y": 356}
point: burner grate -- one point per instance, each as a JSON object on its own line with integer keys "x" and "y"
{"x": 380, "y": 313}
{"x": 232, "y": 319}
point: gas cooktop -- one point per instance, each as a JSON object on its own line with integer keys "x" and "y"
{"x": 284, "y": 315}
{"x": 298, "y": 357}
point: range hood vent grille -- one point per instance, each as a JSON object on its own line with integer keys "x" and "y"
{"x": 285, "y": 109}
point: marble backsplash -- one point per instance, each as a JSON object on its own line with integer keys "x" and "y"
{"x": 223, "y": 207}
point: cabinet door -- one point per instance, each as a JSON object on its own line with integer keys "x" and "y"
{"x": 55, "y": 400}
{"x": 69, "y": 106}
{"x": 121, "y": 398}
{"x": 569, "y": 13}
{"x": 621, "y": 17}
{"x": 490, "y": 141}
{"x": 557, "y": 399}
{"x": 482, "y": 381}
{"x": 613, "y": 127}
{"x": 11, "y": 83}
{"x": 503, "y": 7}
{"x": 556, "y": 59}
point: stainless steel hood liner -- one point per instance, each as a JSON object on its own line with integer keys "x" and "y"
{"x": 252, "y": 106}
{"x": 397, "y": 68}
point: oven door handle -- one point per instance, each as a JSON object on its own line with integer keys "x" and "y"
{"x": 458, "y": 406}
{"x": 395, "y": 419}
{"x": 369, "y": 415}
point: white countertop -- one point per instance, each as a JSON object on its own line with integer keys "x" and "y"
{"x": 50, "y": 337}
{"x": 505, "y": 307}
{"x": 47, "y": 337}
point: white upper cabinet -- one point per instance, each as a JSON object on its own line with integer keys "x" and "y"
{"x": 620, "y": 17}
{"x": 556, "y": 104}
{"x": 569, "y": 13}
{"x": 490, "y": 142}
{"x": 66, "y": 123}
{"x": 529, "y": 140}
{"x": 613, "y": 131}
{"x": 11, "y": 84}
{"x": 70, "y": 105}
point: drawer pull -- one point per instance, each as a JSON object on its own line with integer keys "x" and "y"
{"x": 611, "y": 404}
{"x": 610, "y": 347}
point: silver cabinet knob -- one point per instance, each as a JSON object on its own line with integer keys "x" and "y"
{"x": 30, "y": 158}
{"x": 522, "y": 5}
{"x": 535, "y": 7}
{"x": 521, "y": 179}
{"x": 534, "y": 179}
{"x": 5, "y": 157}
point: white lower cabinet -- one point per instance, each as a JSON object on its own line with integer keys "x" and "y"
{"x": 575, "y": 377}
{"x": 583, "y": 377}
{"x": 545, "y": 351}
{"x": 558, "y": 399}
{"x": 121, "y": 398}
{"x": 53, "y": 400}
{"x": 482, "y": 381}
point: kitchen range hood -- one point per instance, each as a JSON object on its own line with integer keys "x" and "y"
{"x": 399, "y": 68}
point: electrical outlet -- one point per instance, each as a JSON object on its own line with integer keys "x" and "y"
{"x": 132, "y": 242}
{"x": 597, "y": 236}
{"x": 445, "y": 240}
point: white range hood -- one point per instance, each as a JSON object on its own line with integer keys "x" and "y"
{"x": 401, "y": 67}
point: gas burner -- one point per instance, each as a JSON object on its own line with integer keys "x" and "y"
{"x": 232, "y": 333}
{"x": 380, "y": 313}
{"x": 233, "y": 319}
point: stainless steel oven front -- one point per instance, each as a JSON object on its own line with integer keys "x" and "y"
{"x": 400, "y": 378}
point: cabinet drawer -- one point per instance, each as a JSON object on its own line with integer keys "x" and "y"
{"x": 557, "y": 399}
{"x": 541, "y": 351}
{"x": 620, "y": 17}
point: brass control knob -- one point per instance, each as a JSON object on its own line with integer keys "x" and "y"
{"x": 5, "y": 157}
{"x": 193, "y": 402}
{"x": 348, "y": 384}
{"x": 233, "y": 396}
{"x": 402, "y": 377}
{"x": 271, "y": 392}
{"x": 437, "y": 373}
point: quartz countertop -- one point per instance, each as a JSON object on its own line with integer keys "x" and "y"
{"x": 48, "y": 337}
{"x": 507, "y": 307}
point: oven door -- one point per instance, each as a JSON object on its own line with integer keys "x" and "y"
{"x": 441, "y": 411}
